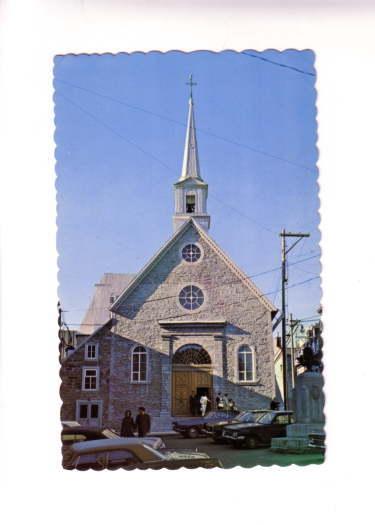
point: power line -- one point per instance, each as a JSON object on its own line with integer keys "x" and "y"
{"x": 118, "y": 134}
{"x": 280, "y": 64}
{"x": 137, "y": 305}
{"x": 151, "y": 155}
{"x": 235, "y": 281}
{"x": 179, "y": 123}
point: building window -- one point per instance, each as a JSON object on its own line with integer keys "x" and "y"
{"x": 190, "y": 203}
{"x": 191, "y": 253}
{"x": 191, "y": 297}
{"x": 245, "y": 363}
{"x": 139, "y": 365}
{"x": 92, "y": 351}
{"x": 113, "y": 299}
{"x": 90, "y": 378}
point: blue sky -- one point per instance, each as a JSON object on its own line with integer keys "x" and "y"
{"x": 120, "y": 129}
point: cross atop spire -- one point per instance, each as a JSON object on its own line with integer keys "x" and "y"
{"x": 191, "y": 84}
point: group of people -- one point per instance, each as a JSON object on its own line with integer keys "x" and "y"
{"x": 223, "y": 402}
{"x": 141, "y": 424}
{"x": 199, "y": 403}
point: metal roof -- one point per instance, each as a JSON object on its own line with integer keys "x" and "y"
{"x": 111, "y": 285}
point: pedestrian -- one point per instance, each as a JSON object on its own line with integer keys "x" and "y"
{"x": 192, "y": 403}
{"x": 219, "y": 402}
{"x": 197, "y": 404}
{"x": 127, "y": 425}
{"x": 274, "y": 405}
{"x": 231, "y": 405}
{"x": 225, "y": 402}
{"x": 143, "y": 422}
{"x": 204, "y": 401}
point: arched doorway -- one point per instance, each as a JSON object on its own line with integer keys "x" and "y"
{"x": 191, "y": 375}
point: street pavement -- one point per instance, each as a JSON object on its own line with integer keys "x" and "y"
{"x": 231, "y": 457}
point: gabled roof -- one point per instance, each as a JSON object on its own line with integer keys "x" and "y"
{"x": 159, "y": 255}
{"x": 110, "y": 285}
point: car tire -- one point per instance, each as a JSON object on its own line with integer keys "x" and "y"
{"x": 251, "y": 442}
{"x": 193, "y": 433}
{"x": 237, "y": 444}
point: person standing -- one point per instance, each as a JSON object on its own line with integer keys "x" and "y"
{"x": 225, "y": 402}
{"x": 127, "y": 425}
{"x": 204, "y": 401}
{"x": 219, "y": 402}
{"x": 192, "y": 403}
{"x": 197, "y": 404}
{"x": 143, "y": 422}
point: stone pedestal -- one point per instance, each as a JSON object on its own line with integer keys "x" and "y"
{"x": 309, "y": 405}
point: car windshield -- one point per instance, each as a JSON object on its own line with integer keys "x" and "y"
{"x": 246, "y": 417}
{"x": 266, "y": 419}
{"x": 156, "y": 453}
{"x": 222, "y": 414}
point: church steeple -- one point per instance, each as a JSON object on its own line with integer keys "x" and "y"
{"x": 190, "y": 190}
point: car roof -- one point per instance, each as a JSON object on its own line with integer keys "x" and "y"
{"x": 143, "y": 451}
{"x": 75, "y": 429}
{"x": 98, "y": 444}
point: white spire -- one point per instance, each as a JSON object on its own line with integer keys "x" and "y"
{"x": 190, "y": 191}
{"x": 190, "y": 165}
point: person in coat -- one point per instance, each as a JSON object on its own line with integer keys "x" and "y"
{"x": 143, "y": 422}
{"x": 192, "y": 404}
{"x": 127, "y": 425}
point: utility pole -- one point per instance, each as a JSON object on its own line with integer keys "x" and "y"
{"x": 284, "y": 252}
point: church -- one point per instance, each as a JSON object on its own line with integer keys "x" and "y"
{"x": 190, "y": 322}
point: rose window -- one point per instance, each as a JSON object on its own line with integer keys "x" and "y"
{"x": 191, "y": 253}
{"x": 191, "y": 297}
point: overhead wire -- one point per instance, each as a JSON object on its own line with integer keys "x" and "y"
{"x": 183, "y": 124}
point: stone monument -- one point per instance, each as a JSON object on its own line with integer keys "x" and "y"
{"x": 309, "y": 414}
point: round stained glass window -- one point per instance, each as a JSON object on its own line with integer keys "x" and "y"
{"x": 191, "y": 297}
{"x": 191, "y": 253}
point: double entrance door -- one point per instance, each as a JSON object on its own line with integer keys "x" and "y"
{"x": 89, "y": 413}
{"x": 189, "y": 380}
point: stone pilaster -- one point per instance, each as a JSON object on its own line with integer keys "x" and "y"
{"x": 220, "y": 363}
{"x": 166, "y": 376}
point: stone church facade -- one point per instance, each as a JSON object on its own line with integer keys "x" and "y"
{"x": 190, "y": 322}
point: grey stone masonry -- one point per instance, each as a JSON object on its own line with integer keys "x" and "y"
{"x": 231, "y": 315}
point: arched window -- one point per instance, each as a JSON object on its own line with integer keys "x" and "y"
{"x": 190, "y": 203}
{"x": 246, "y": 362}
{"x": 139, "y": 365}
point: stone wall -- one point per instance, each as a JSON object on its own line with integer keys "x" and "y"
{"x": 136, "y": 322}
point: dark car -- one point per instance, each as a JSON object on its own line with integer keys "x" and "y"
{"x": 270, "y": 425}
{"x": 215, "y": 430}
{"x": 119, "y": 453}
{"x": 194, "y": 427}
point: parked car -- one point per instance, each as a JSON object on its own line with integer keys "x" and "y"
{"x": 215, "y": 430}
{"x": 271, "y": 424}
{"x": 194, "y": 427}
{"x": 119, "y": 453}
{"x": 80, "y": 434}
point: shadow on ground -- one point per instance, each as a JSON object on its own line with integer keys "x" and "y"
{"x": 231, "y": 457}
